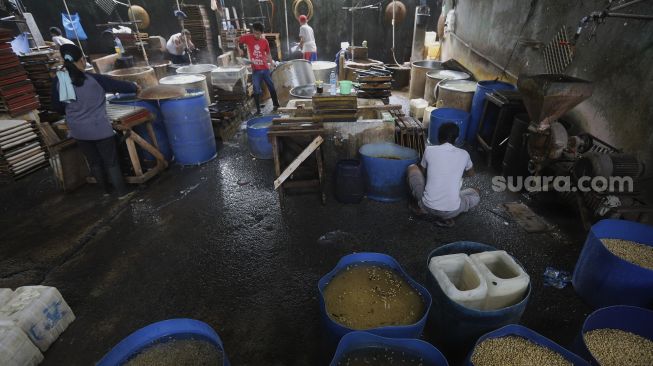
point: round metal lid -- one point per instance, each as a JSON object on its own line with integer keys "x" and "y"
{"x": 465, "y": 86}
{"x": 181, "y": 79}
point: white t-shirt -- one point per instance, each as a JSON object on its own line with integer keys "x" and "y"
{"x": 445, "y": 165}
{"x": 306, "y": 32}
{"x": 61, "y": 40}
{"x": 172, "y": 47}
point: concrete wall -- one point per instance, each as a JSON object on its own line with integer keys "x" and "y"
{"x": 618, "y": 60}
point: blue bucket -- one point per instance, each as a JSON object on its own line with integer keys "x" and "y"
{"x": 257, "y": 136}
{"x": 157, "y": 124}
{"x": 363, "y": 340}
{"x": 603, "y": 279}
{"x": 478, "y": 103}
{"x": 335, "y": 331}
{"x": 521, "y": 331}
{"x": 385, "y": 179}
{"x": 161, "y": 332}
{"x": 441, "y": 116}
{"x": 455, "y": 327}
{"x": 627, "y": 318}
{"x": 189, "y": 129}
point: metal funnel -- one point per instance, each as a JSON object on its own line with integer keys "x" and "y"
{"x": 549, "y": 96}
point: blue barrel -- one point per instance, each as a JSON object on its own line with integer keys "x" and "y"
{"x": 627, "y": 318}
{"x": 384, "y": 170}
{"x": 257, "y": 136}
{"x": 521, "y": 331}
{"x": 356, "y": 341}
{"x": 603, "y": 279}
{"x": 441, "y": 116}
{"x": 189, "y": 128}
{"x": 160, "y": 332}
{"x": 158, "y": 124}
{"x": 455, "y": 327}
{"x": 350, "y": 187}
{"x": 478, "y": 103}
{"x": 334, "y": 331}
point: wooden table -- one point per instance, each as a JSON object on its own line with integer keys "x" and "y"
{"x": 124, "y": 118}
{"x": 289, "y": 128}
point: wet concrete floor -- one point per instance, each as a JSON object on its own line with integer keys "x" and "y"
{"x": 212, "y": 243}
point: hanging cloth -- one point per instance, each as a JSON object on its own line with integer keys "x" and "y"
{"x": 72, "y": 25}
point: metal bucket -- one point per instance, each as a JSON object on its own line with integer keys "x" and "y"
{"x": 188, "y": 81}
{"x": 290, "y": 74}
{"x": 322, "y": 70}
{"x": 434, "y": 77}
{"x": 455, "y": 94}
{"x": 200, "y": 69}
{"x": 418, "y": 72}
{"x": 143, "y": 76}
{"x": 189, "y": 129}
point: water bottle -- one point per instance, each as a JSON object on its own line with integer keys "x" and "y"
{"x": 332, "y": 81}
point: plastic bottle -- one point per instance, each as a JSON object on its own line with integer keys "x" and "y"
{"x": 332, "y": 81}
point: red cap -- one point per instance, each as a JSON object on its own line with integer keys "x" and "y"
{"x": 302, "y": 18}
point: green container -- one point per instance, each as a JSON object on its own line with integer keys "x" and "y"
{"x": 345, "y": 87}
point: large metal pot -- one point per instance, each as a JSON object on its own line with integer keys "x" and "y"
{"x": 322, "y": 70}
{"x": 434, "y": 77}
{"x": 143, "y": 76}
{"x": 189, "y": 82}
{"x": 200, "y": 69}
{"x": 290, "y": 74}
{"x": 400, "y": 75}
{"x": 455, "y": 94}
{"x": 418, "y": 72}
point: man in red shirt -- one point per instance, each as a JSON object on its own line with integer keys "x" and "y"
{"x": 259, "y": 54}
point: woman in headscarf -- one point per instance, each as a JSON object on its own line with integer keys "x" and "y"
{"x": 81, "y": 97}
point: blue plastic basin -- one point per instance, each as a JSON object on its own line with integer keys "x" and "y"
{"x": 441, "y": 116}
{"x": 161, "y": 332}
{"x": 603, "y": 279}
{"x": 627, "y": 318}
{"x": 362, "y": 340}
{"x": 521, "y": 331}
{"x": 455, "y": 327}
{"x": 335, "y": 331}
{"x": 257, "y": 136}
{"x": 385, "y": 179}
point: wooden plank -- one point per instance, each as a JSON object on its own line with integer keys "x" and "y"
{"x": 133, "y": 155}
{"x": 300, "y": 159}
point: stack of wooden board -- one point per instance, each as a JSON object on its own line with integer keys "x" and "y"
{"x": 132, "y": 40}
{"x": 239, "y": 93}
{"x": 42, "y": 68}
{"x": 17, "y": 94}
{"x": 199, "y": 25}
{"x": 409, "y": 132}
{"x": 374, "y": 86}
{"x": 22, "y": 150}
{"x": 335, "y": 108}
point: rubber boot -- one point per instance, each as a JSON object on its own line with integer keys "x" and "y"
{"x": 275, "y": 100}
{"x": 100, "y": 178}
{"x": 118, "y": 182}
{"x": 257, "y": 100}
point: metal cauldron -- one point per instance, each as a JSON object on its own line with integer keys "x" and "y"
{"x": 455, "y": 94}
{"x": 322, "y": 70}
{"x": 434, "y": 77}
{"x": 418, "y": 72}
{"x": 143, "y": 76}
{"x": 200, "y": 69}
{"x": 290, "y": 74}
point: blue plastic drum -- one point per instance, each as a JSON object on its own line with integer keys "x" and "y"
{"x": 257, "y": 136}
{"x": 189, "y": 129}
{"x": 441, "y": 116}
{"x": 158, "y": 125}
{"x": 335, "y": 331}
{"x": 627, "y": 318}
{"x": 455, "y": 327}
{"x": 159, "y": 332}
{"x": 521, "y": 331}
{"x": 384, "y": 170}
{"x": 602, "y": 278}
{"x": 478, "y": 103}
{"x": 363, "y": 340}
